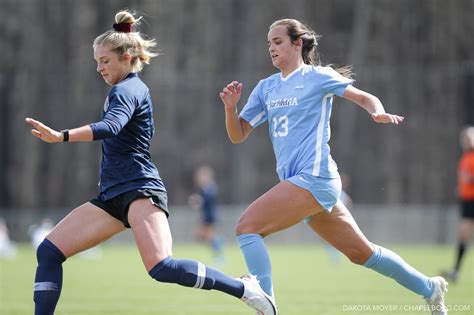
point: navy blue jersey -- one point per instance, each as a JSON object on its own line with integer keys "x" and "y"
{"x": 126, "y": 129}
{"x": 208, "y": 194}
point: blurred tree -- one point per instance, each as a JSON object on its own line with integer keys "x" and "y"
{"x": 410, "y": 54}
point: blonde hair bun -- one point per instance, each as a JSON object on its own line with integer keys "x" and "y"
{"x": 126, "y": 17}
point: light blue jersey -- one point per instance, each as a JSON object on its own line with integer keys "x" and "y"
{"x": 298, "y": 110}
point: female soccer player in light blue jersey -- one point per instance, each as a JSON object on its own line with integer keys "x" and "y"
{"x": 132, "y": 194}
{"x": 296, "y": 103}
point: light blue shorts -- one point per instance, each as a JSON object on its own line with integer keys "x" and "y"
{"x": 326, "y": 191}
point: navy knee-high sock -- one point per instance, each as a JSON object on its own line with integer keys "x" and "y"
{"x": 192, "y": 273}
{"x": 49, "y": 278}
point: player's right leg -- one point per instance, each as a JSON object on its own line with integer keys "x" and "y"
{"x": 340, "y": 229}
{"x": 283, "y": 206}
{"x": 85, "y": 227}
{"x": 153, "y": 237}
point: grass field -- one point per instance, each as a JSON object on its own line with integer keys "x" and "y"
{"x": 305, "y": 283}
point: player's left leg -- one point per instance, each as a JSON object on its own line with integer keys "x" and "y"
{"x": 466, "y": 226}
{"x": 340, "y": 229}
{"x": 153, "y": 237}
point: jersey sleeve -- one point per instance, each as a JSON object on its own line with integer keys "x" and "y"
{"x": 117, "y": 115}
{"x": 332, "y": 82}
{"x": 254, "y": 111}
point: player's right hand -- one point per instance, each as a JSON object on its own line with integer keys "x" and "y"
{"x": 230, "y": 95}
{"x": 43, "y": 132}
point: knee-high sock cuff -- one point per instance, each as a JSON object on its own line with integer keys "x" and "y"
{"x": 247, "y": 239}
{"x": 55, "y": 249}
{"x": 186, "y": 272}
{"x": 192, "y": 273}
{"x": 158, "y": 267}
{"x": 374, "y": 258}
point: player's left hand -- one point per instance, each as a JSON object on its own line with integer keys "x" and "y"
{"x": 386, "y": 118}
{"x": 43, "y": 132}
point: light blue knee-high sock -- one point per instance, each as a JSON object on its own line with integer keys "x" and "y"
{"x": 217, "y": 245}
{"x": 389, "y": 264}
{"x": 257, "y": 259}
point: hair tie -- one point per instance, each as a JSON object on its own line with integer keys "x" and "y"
{"x": 123, "y": 27}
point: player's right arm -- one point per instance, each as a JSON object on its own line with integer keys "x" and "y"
{"x": 237, "y": 128}
{"x": 120, "y": 110}
{"x": 50, "y": 135}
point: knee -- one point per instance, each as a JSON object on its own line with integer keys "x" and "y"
{"x": 185, "y": 272}
{"x": 243, "y": 226}
{"x": 175, "y": 271}
{"x": 164, "y": 270}
{"x": 47, "y": 252}
{"x": 357, "y": 256}
{"x": 248, "y": 225}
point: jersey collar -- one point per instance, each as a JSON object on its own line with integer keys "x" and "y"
{"x": 292, "y": 73}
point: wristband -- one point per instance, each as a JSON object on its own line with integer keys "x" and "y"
{"x": 65, "y": 135}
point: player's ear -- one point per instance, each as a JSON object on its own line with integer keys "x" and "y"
{"x": 126, "y": 56}
{"x": 298, "y": 42}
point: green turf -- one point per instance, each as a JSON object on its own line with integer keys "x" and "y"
{"x": 305, "y": 283}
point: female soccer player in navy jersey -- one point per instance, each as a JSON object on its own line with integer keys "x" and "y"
{"x": 132, "y": 194}
{"x": 297, "y": 105}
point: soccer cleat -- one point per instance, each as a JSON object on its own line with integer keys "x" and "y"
{"x": 436, "y": 301}
{"x": 256, "y": 298}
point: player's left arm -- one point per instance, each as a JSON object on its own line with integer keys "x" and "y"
{"x": 372, "y": 105}
{"x": 50, "y": 135}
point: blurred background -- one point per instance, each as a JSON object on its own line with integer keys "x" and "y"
{"x": 416, "y": 56}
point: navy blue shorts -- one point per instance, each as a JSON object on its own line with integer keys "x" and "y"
{"x": 119, "y": 205}
{"x": 467, "y": 209}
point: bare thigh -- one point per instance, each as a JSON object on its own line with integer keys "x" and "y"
{"x": 279, "y": 208}
{"x": 151, "y": 231}
{"x": 83, "y": 228}
{"x": 465, "y": 229}
{"x": 340, "y": 230}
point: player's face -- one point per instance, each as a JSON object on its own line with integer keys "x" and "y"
{"x": 112, "y": 69}
{"x": 283, "y": 52}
